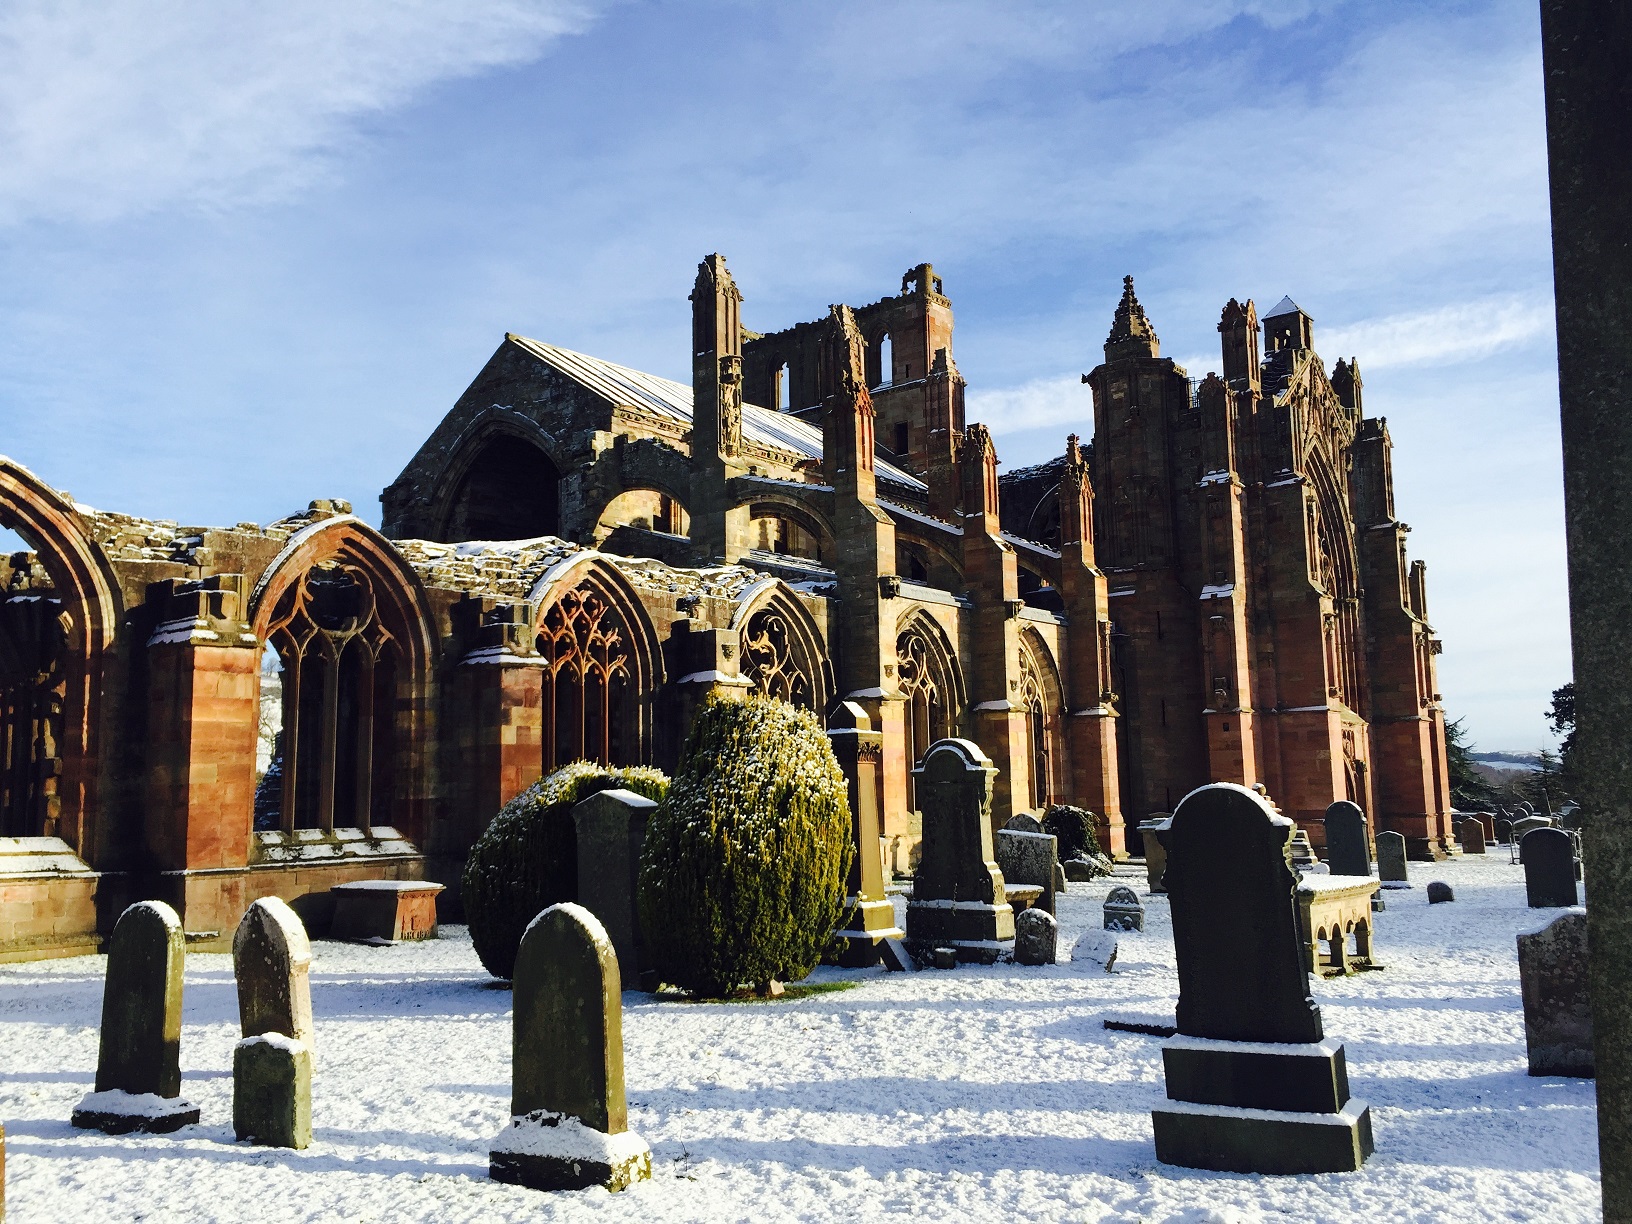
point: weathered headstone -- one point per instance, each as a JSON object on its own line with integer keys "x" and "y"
{"x": 1095, "y": 948}
{"x": 1548, "y": 856}
{"x": 1152, "y": 832}
{"x": 138, "y": 1065}
{"x": 1553, "y": 982}
{"x": 569, "y": 1125}
{"x": 1347, "y": 852}
{"x": 1059, "y": 877}
{"x": 1529, "y": 824}
{"x": 1244, "y": 986}
{"x": 1036, "y": 938}
{"x": 272, "y": 1091}
{"x": 611, "y": 828}
{"x": 1123, "y": 911}
{"x": 870, "y": 916}
{"x": 1472, "y": 835}
{"x": 1391, "y": 859}
{"x": 272, "y": 960}
{"x": 1439, "y": 892}
{"x": 1504, "y": 830}
{"x": 1027, "y": 856}
{"x": 1024, "y": 822}
{"x": 958, "y": 897}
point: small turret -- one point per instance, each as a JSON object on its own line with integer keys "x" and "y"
{"x": 1287, "y": 326}
{"x": 1346, "y": 382}
{"x": 1131, "y": 332}
{"x": 1238, "y": 328}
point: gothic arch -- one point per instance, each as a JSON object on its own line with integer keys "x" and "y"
{"x": 1042, "y": 697}
{"x": 782, "y": 649}
{"x": 931, "y": 682}
{"x": 772, "y": 504}
{"x": 352, "y": 626}
{"x": 492, "y": 436}
{"x": 603, "y": 664}
{"x": 84, "y": 582}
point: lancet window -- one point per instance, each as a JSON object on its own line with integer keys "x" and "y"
{"x": 930, "y": 687}
{"x": 1042, "y": 728}
{"x": 589, "y": 682}
{"x": 33, "y": 641}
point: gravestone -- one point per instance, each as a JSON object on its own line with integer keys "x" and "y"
{"x": 1528, "y": 825}
{"x": 1504, "y": 830}
{"x": 611, "y": 828}
{"x": 1439, "y": 891}
{"x": 870, "y": 917}
{"x": 1153, "y": 832}
{"x": 1123, "y": 910}
{"x": 1471, "y": 833}
{"x": 896, "y": 959}
{"x": 569, "y": 1125}
{"x": 1028, "y": 856}
{"x": 1548, "y": 856}
{"x": 1347, "y": 852}
{"x": 138, "y": 1065}
{"x": 1254, "y": 1084}
{"x": 1036, "y": 938}
{"x": 1025, "y": 822}
{"x": 1553, "y": 982}
{"x": 1391, "y": 860}
{"x": 272, "y": 1091}
{"x": 272, "y": 958}
{"x": 1095, "y": 948}
{"x": 958, "y": 896}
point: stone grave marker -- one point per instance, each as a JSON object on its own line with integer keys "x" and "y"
{"x": 1472, "y": 835}
{"x": 958, "y": 896}
{"x": 611, "y": 828}
{"x": 1027, "y": 855}
{"x": 1152, "y": 833}
{"x": 1391, "y": 860}
{"x": 896, "y": 958}
{"x": 1504, "y": 830}
{"x": 138, "y": 1065}
{"x": 1036, "y": 937}
{"x": 569, "y": 1125}
{"x": 1529, "y": 824}
{"x": 869, "y": 921}
{"x": 1095, "y": 948}
{"x": 1439, "y": 892}
{"x": 1123, "y": 910}
{"x": 1548, "y": 856}
{"x": 1347, "y": 852}
{"x": 272, "y": 1064}
{"x": 1553, "y": 982}
{"x": 1254, "y": 1084}
{"x": 272, "y": 1091}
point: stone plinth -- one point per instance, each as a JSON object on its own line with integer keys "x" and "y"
{"x": 272, "y": 1091}
{"x": 1553, "y": 982}
{"x": 385, "y": 910}
{"x": 870, "y": 919}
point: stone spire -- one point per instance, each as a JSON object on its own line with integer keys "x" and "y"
{"x": 1076, "y": 503}
{"x": 847, "y": 443}
{"x": 1131, "y": 332}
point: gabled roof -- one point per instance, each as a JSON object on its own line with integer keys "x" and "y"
{"x": 1285, "y": 306}
{"x": 666, "y": 398}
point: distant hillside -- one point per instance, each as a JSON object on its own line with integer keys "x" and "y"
{"x": 1523, "y": 762}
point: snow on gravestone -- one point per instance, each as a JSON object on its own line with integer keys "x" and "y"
{"x": 1027, "y": 855}
{"x": 138, "y": 1065}
{"x": 569, "y": 1127}
{"x": 1036, "y": 938}
{"x": 1244, "y": 986}
{"x": 1123, "y": 911}
{"x": 1553, "y": 983}
{"x": 1391, "y": 860}
{"x": 272, "y": 1065}
{"x": 958, "y": 895}
{"x": 1347, "y": 853}
{"x": 1548, "y": 856}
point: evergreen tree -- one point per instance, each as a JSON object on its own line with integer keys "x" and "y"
{"x": 1470, "y": 792}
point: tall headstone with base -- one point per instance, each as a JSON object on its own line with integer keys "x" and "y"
{"x": 958, "y": 896}
{"x": 1472, "y": 835}
{"x": 1027, "y": 855}
{"x": 870, "y": 917}
{"x": 1553, "y": 982}
{"x": 1347, "y": 851}
{"x": 1255, "y": 1085}
{"x": 1391, "y": 860}
{"x": 569, "y": 1125}
{"x": 272, "y": 1065}
{"x": 611, "y": 828}
{"x": 138, "y": 1065}
{"x": 1548, "y": 856}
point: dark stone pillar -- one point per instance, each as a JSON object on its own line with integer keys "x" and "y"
{"x": 1586, "y": 45}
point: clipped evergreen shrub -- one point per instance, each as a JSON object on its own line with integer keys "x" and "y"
{"x": 742, "y": 880}
{"x": 527, "y": 858}
{"x": 1074, "y": 827}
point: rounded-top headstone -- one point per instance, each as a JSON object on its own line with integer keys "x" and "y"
{"x": 1036, "y": 937}
{"x": 1232, "y": 888}
{"x": 141, "y": 1003}
{"x": 1439, "y": 891}
{"x": 271, "y": 958}
{"x": 1548, "y": 856}
{"x": 1123, "y": 895}
{"x": 1024, "y": 822}
{"x": 1347, "y": 851}
{"x": 567, "y": 1054}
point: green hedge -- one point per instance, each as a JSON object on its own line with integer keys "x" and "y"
{"x": 743, "y": 876}
{"x": 527, "y": 859}
{"x": 1074, "y": 827}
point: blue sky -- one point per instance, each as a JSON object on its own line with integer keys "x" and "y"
{"x": 249, "y": 254}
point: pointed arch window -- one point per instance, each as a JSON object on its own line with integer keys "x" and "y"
{"x": 590, "y": 684}
{"x": 33, "y": 649}
{"x": 770, "y": 658}
{"x": 930, "y": 685}
{"x": 1041, "y": 727}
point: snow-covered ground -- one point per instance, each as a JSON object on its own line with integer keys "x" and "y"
{"x": 977, "y": 1094}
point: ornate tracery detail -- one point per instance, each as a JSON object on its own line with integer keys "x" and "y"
{"x": 589, "y": 681}
{"x": 1039, "y": 698}
{"x": 769, "y": 658}
{"x": 340, "y": 663}
{"x": 932, "y": 696}
{"x": 33, "y": 639}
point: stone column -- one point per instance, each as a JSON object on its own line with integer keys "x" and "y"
{"x": 871, "y": 917}
{"x": 1585, "y": 48}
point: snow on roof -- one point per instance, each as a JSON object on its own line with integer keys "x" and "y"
{"x": 1285, "y": 306}
{"x": 666, "y": 398}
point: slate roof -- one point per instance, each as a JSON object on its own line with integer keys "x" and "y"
{"x": 665, "y": 398}
{"x": 1285, "y": 306}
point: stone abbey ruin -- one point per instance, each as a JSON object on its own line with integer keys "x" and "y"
{"x": 1215, "y": 589}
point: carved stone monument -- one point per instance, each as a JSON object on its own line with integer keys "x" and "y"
{"x": 1027, "y": 855}
{"x": 611, "y": 828}
{"x": 958, "y": 896}
{"x": 1548, "y": 856}
{"x": 272, "y": 1065}
{"x": 870, "y": 919}
{"x": 1255, "y": 1085}
{"x": 1347, "y": 851}
{"x": 1123, "y": 911}
{"x": 1391, "y": 860}
{"x": 1036, "y": 938}
{"x": 569, "y": 1125}
{"x": 1553, "y": 981}
{"x": 138, "y": 1065}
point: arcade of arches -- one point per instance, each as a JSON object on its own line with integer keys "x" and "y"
{"x": 580, "y": 553}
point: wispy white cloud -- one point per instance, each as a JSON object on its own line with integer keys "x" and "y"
{"x": 1461, "y": 331}
{"x": 109, "y": 109}
{"x": 1062, "y": 401}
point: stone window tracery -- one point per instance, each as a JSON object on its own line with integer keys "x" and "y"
{"x": 928, "y": 683}
{"x": 769, "y": 658}
{"x": 589, "y": 681}
{"x": 1042, "y": 728}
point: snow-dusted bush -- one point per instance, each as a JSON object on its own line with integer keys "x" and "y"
{"x": 527, "y": 859}
{"x": 1074, "y": 827}
{"x": 742, "y": 881}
